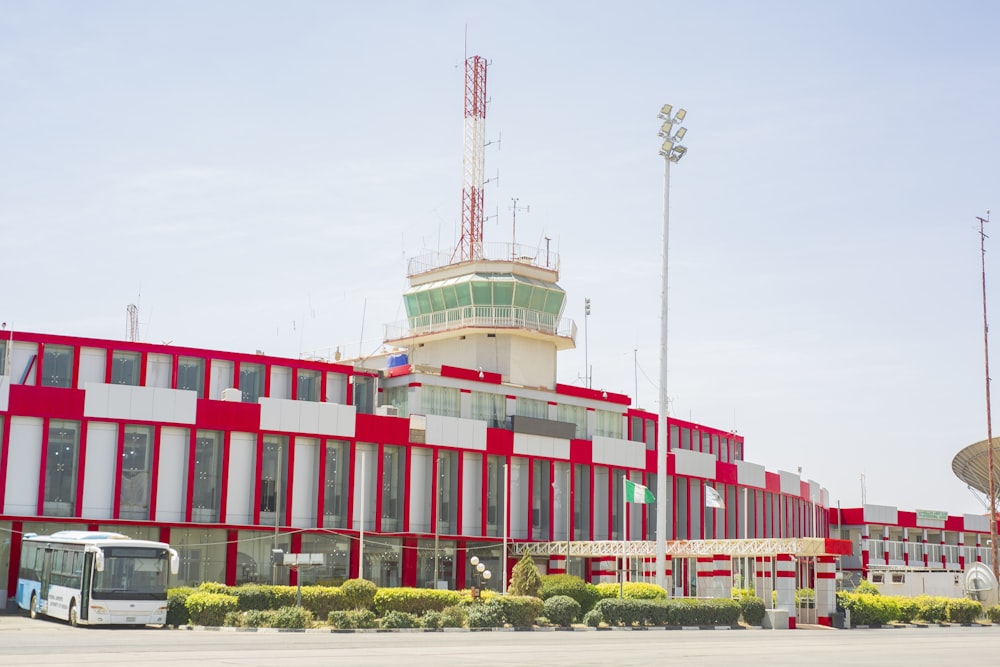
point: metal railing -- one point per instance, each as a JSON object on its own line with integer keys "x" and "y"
{"x": 497, "y": 252}
{"x": 490, "y": 317}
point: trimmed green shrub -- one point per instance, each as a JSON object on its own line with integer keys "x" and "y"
{"x": 254, "y": 596}
{"x": 485, "y": 615}
{"x": 454, "y": 617}
{"x": 432, "y": 620}
{"x": 909, "y": 609}
{"x": 593, "y": 618}
{"x": 868, "y": 609}
{"x": 414, "y": 600}
{"x": 993, "y": 613}
{"x": 210, "y": 608}
{"x": 359, "y": 593}
{"x": 353, "y": 619}
{"x": 213, "y": 587}
{"x": 867, "y": 588}
{"x": 521, "y": 611}
{"x": 584, "y": 593}
{"x": 399, "y": 619}
{"x": 561, "y": 610}
{"x": 177, "y": 613}
{"x": 525, "y": 579}
{"x": 632, "y": 590}
{"x": 932, "y": 609}
{"x": 964, "y": 610}
{"x": 321, "y": 600}
{"x": 285, "y": 596}
{"x": 290, "y": 617}
{"x": 752, "y": 610}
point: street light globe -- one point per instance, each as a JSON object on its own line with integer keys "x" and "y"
{"x": 480, "y": 567}
{"x": 474, "y": 560}
{"x": 486, "y": 575}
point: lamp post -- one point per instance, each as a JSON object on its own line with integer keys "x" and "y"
{"x": 480, "y": 575}
{"x": 671, "y": 151}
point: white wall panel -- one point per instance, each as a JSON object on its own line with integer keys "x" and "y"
{"x": 976, "y": 522}
{"x": 99, "y": 483}
{"x": 171, "y": 476}
{"x": 220, "y": 378}
{"x": 790, "y": 483}
{"x": 619, "y": 452}
{"x": 165, "y": 406}
{"x": 305, "y": 482}
{"x": 242, "y": 478}
{"x": 116, "y": 401}
{"x": 92, "y": 365}
{"x": 881, "y": 514}
{"x": 751, "y": 474}
{"x": 24, "y": 461}
{"x": 270, "y": 414}
{"x": 119, "y": 402}
{"x": 281, "y": 382}
{"x": 142, "y": 404}
{"x": 694, "y": 464}
{"x": 308, "y": 417}
{"x": 290, "y": 411}
{"x": 4, "y": 392}
{"x": 456, "y": 432}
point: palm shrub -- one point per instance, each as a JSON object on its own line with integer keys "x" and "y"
{"x": 525, "y": 579}
{"x": 561, "y": 610}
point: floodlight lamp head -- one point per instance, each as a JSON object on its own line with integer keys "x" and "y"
{"x": 667, "y": 146}
{"x": 666, "y": 129}
{"x": 665, "y": 110}
{"x": 679, "y": 152}
{"x": 680, "y": 133}
{"x": 681, "y": 113}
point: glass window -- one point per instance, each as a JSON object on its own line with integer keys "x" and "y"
{"x": 675, "y": 438}
{"x": 137, "y": 455}
{"x": 191, "y": 375}
{"x": 541, "y": 499}
{"x": 393, "y": 468}
{"x": 490, "y": 408}
{"x": 682, "y": 509}
{"x": 336, "y": 566}
{"x": 576, "y": 414}
{"x": 274, "y": 479}
{"x": 436, "y": 563}
{"x": 447, "y": 491}
{"x": 496, "y": 491}
{"x": 61, "y": 461}
{"x": 57, "y": 366}
{"x": 335, "y": 486}
{"x": 531, "y": 407}
{"x": 3, "y": 357}
{"x": 444, "y": 401}
{"x": 364, "y": 394}
{"x": 383, "y": 562}
{"x": 581, "y": 502}
{"x": 397, "y": 397}
{"x": 608, "y": 424}
{"x": 203, "y": 554}
{"x": 602, "y": 508}
{"x": 125, "y": 368}
{"x": 251, "y": 382}
{"x": 650, "y": 434}
{"x": 308, "y": 385}
{"x": 207, "y": 476}
{"x": 635, "y": 429}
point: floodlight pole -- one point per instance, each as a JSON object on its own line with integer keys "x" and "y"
{"x": 671, "y": 152}
{"x": 995, "y": 565}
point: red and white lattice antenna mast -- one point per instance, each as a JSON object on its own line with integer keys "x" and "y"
{"x": 470, "y": 246}
{"x": 133, "y": 322}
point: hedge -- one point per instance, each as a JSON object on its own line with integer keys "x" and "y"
{"x": 414, "y": 600}
{"x": 210, "y": 608}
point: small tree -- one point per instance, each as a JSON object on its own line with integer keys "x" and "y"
{"x": 525, "y": 579}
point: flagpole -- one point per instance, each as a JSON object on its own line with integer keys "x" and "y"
{"x": 621, "y": 573}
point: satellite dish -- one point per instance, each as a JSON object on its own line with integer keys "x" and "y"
{"x": 980, "y": 584}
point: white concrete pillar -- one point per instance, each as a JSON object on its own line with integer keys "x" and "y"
{"x": 723, "y": 577}
{"x": 826, "y": 588}
{"x": 784, "y": 584}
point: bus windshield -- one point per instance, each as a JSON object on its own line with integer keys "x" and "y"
{"x": 132, "y": 573}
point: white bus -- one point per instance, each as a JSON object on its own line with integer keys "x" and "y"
{"x": 95, "y": 578}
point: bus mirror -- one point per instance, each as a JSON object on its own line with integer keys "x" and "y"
{"x": 99, "y": 561}
{"x": 175, "y": 562}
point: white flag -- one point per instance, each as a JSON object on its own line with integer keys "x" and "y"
{"x": 713, "y": 499}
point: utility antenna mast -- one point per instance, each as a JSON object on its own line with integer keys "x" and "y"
{"x": 513, "y": 228}
{"x": 991, "y": 487}
{"x": 470, "y": 246}
{"x": 133, "y": 322}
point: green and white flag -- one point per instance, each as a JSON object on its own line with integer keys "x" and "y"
{"x": 637, "y": 493}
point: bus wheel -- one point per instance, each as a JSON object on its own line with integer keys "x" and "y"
{"x": 33, "y": 606}
{"x": 73, "y": 620}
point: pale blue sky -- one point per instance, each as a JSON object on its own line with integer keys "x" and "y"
{"x": 260, "y": 171}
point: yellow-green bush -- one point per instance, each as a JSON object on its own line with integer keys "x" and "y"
{"x": 210, "y": 608}
{"x": 632, "y": 590}
{"x": 414, "y": 600}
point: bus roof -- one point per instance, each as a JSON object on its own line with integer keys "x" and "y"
{"x": 100, "y": 538}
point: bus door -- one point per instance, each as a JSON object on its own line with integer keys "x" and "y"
{"x": 45, "y": 578}
{"x": 88, "y": 575}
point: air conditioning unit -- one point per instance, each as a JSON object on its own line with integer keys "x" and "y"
{"x": 387, "y": 411}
